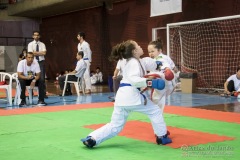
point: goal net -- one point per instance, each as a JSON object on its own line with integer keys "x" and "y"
{"x": 209, "y": 47}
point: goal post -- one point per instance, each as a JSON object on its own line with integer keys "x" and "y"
{"x": 209, "y": 47}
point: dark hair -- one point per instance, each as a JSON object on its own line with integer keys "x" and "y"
{"x": 24, "y": 49}
{"x": 80, "y": 53}
{"x": 81, "y": 34}
{"x": 31, "y": 53}
{"x": 98, "y": 68}
{"x": 238, "y": 69}
{"x": 157, "y": 43}
{"x": 62, "y": 72}
{"x": 122, "y": 50}
{"x": 36, "y": 32}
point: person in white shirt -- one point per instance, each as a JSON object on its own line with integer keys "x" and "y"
{"x": 29, "y": 75}
{"x": 232, "y": 84}
{"x": 96, "y": 77}
{"x": 129, "y": 98}
{"x": 164, "y": 62}
{"x": 99, "y": 75}
{"x": 117, "y": 75}
{"x": 155, "y": 51}
{"x": 22, "y": 55}
{"x": 80, "y": 65}
{"x": 93, "y": 77}
{"x": 85, "y": 47}
{"x": 38, "y": 48}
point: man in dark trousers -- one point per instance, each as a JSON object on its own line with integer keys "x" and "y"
{"x": 29, "y": 75}
{"x": 39, "y": 50}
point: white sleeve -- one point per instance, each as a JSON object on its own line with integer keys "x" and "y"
{"x": 20, "y": 66}
{"x": 77, "y": 67}
{"x": 149, "y": 63}
{"x": 30, "y": 47}
{"x": 231, "y": 78}
{"x": 132, "y": 72}
{"x": 118, "y": 65}
{"x": 88, "y": 50}
{"x": 171, "y": 63}
{"x": 80, "y": 65}
{"x": 78, "y": 47}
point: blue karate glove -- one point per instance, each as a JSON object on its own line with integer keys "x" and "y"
{"x": 156, "y": 83}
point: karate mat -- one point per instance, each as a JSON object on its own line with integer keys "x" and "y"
{"x": 43, "y": 133}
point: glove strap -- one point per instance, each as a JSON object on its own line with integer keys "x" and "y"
{"x": 149, "y": 83}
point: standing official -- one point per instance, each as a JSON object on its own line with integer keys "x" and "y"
{"x": 85, "y": 47}
{"x": 39, "y": 50}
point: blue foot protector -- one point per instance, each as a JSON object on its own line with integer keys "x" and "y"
{"x": 163, "y": 140}
{"x": 88, "y": 141}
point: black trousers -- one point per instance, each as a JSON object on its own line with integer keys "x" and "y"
{"x": 62, "y": 79}
{"x": 43, "y": 73}
{"x": 231, "y": 86}
{"x": 25, "y": 83}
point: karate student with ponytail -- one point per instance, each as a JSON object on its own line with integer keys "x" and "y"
{"x": 129, "y": 98}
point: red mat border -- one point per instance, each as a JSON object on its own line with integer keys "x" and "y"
{"x": 183, "y": 111}
{"x": 20, "y": 111}
{"x": 181, "y": 137}
{"x": 204, "y": 114}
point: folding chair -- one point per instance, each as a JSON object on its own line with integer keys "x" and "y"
{"x": 79, "y": 83}
{"x": 17, "y": 99}
{"x": 7, "y": 87}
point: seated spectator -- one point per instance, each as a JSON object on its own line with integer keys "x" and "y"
{"x": 232, "y": 84}
{"x": 93, "y": 77}
{"x": 62, "y": 73}
{"x": 29, "y": 75}
{"x": 66, "y": 72}
{"x": 80, "y": 65}
{"x": 99, "y": 75}
{"x": 56, "y": 79}
{"x": 57, "y": 75}
{"x": 22, "y": 55}
{"x": 92, "y": 73}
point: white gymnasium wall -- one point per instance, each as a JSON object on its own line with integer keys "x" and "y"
{"x": 9, "y": 58}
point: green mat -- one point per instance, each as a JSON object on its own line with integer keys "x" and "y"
{"x": 56, "y": 136}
